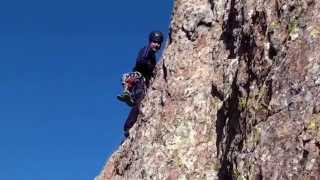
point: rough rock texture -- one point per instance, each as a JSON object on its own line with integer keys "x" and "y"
{"x": 236, "y": 96}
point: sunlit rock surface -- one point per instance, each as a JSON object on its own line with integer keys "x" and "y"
{"x": 236, "y": 96}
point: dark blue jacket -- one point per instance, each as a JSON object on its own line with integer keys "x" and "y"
{"x": 145, "y": 63}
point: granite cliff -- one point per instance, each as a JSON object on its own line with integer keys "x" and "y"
{"x": 236, "y": 96}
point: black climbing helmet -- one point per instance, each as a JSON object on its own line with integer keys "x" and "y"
{"x": 156, "y": 36}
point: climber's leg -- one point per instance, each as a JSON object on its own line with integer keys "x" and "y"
{"x": 132, "y": 118}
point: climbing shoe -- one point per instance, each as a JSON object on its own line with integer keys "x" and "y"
{"x": 125, "y": 97}
{"x": 126, "y": 134}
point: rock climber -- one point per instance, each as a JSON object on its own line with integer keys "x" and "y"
{"x": 136, "y": 82}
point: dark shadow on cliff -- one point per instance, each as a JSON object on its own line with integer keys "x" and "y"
{"x": 228, "y": 36}
{"x": 227, "y": 128}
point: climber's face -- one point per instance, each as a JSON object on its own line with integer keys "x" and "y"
{"x": 155, "y": 46}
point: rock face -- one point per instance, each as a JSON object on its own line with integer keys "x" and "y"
{"x": 236, "y": 96}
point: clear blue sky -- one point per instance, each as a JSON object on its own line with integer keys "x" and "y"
{"x": 60, "y": 69}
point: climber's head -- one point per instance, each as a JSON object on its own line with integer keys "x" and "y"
{"x": 155, "y": 40}
{"x": 156, "y": 36}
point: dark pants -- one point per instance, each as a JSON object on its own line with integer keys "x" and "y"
{"x": 132, "y": 118}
